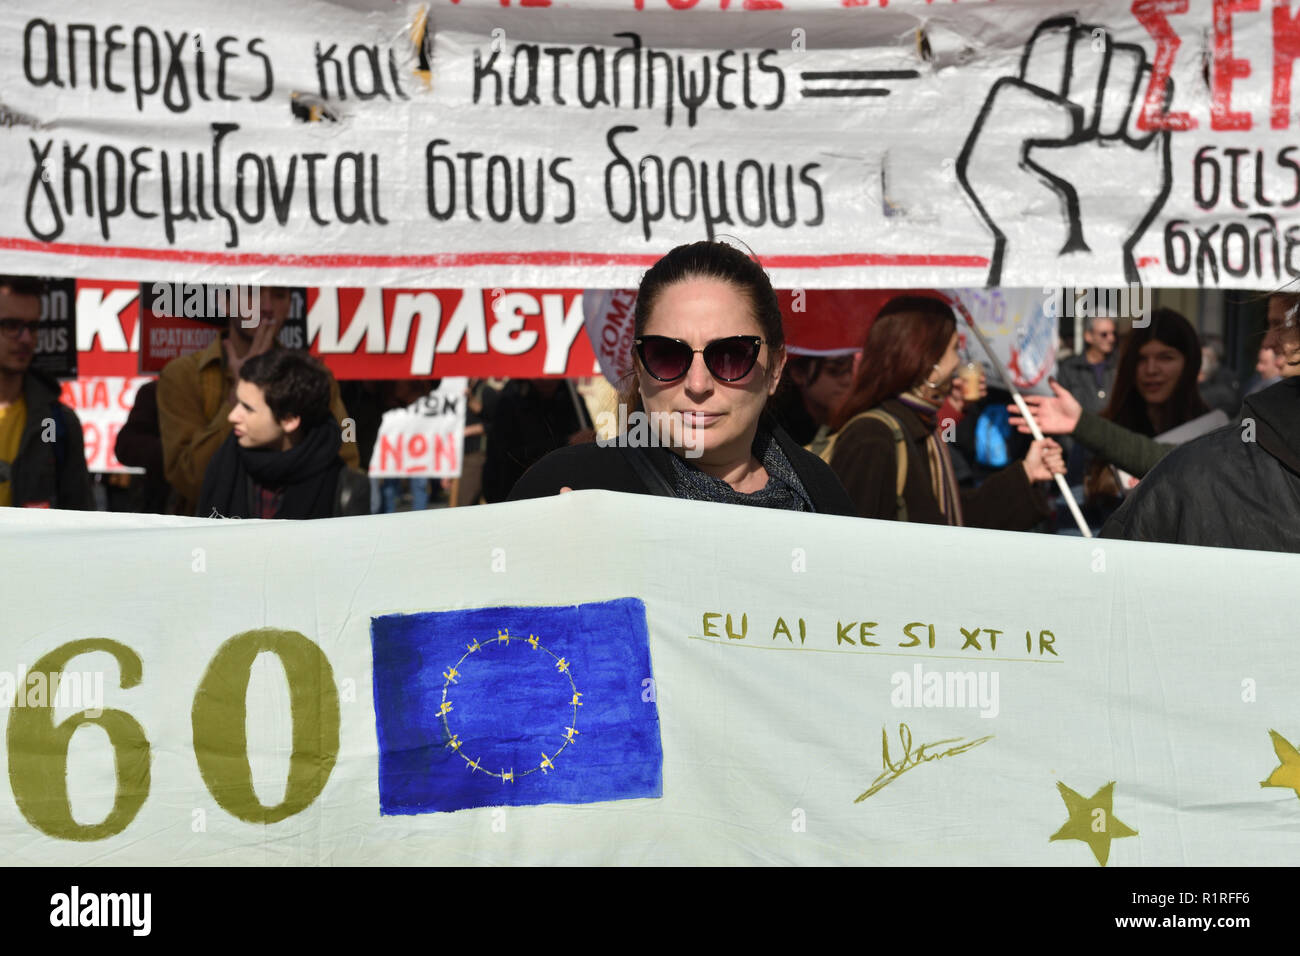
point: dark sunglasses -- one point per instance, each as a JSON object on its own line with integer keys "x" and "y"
{"x": 728, "y": 360}
{"x": 14, "y": 327}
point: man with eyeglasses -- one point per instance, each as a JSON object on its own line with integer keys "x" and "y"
{"x": 1089, "y": 377}
{"x": 42, "y": 459}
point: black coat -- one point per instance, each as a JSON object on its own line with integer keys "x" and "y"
{"x": 312, "y": 478}
{"x": 50, "y": 474}
{"x": 1237, "y": 487}
{"x": 609, "y": 468}
{"x": 522, "y": 427}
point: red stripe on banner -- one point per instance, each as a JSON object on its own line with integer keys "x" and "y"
{"x": 448, "y": 259}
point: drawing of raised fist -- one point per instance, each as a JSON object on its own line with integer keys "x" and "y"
{"x": 1055, "y": 162}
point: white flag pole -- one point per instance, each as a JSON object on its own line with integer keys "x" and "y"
{"x": 1029, "y": 417}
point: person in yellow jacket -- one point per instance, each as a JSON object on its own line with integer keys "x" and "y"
{"x": 196, "y": 393}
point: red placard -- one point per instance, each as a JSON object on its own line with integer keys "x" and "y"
{"x": 422, "y": 333}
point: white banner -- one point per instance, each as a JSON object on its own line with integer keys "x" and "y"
{"x": 424, "y": 439}
{"x": 609, "y": 316}
{"x": 911, "y": 144}
{"x": 500, "y": 685}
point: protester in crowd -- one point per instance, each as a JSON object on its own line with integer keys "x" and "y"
{"x": 364, "y": 401}
{"x": 139, "y": 445}
{"x": 196, "y": 394}
{"x": 1283, "y": 322}
{"x": 281, "y": 459}
{"x": 1219, "y": 385}
{"x": 42, "y": 458}
{"x": 1155, "y": 391}
{"x": 888, "y": 449}
{"x": 959, "y": 420}
{"x": 385, "y": 492}
{"x": 812, "y": 387}
{"x": 467, "y": 489}
{"x": 984, "y": 441}
{"x": 709, "y": 353}
{"x": 1136, "y": 453}
{"x": 1238, "y": 486}
{"x": 1268, "y": 371}
{"x": 531, "y": 418}
{"x": 1090, "y": 375}
{"x": 1279, "y": 358}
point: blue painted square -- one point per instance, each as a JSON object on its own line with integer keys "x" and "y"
{"x": 515, "y": 706}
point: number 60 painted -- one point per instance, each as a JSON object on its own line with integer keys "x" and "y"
{"x": 38, "y": 748}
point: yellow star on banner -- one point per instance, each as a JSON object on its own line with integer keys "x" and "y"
{"x": 1288, "y": 772}
{"x": 1091, "y": 821}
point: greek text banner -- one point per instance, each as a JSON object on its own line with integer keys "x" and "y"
{"x": 568, "y": 146}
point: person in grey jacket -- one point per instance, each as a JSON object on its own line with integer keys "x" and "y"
{"x": 1089, "y": 377}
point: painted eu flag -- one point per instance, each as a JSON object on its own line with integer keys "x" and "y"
{"x": 514, "y": 706}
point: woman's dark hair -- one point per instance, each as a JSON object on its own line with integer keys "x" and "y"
{"x": 293, "y": 383}
{"x": 1126, "y": 406}
{"x": 910, "y": 334}
{"x": 709, "y": 260}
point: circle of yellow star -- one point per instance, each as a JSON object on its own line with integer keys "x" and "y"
{"x": 1091, "y": 821}
{"x": 447, "y": 706}
{"x": 1288, "y": 772}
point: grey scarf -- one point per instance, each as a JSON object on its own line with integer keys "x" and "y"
{"x": 784, "y": 490}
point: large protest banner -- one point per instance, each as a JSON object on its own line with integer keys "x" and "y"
{"x": 760, "y": 687}
{"x": 569, "y": 144}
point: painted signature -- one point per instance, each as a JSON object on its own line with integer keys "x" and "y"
{"x": 914, "y": 758}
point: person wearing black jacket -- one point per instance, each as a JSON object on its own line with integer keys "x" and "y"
{"x": 139, "y": 444}
{"x": 1237, "y": 487}
{"x": 531, "y": 418}
{"x": 709, "y": 352}
{"x": 42, "y": 458}
{"x": 649, "y": 471}
{"x": 281, "y": 460}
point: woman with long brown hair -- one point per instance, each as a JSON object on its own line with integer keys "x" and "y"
{"x": 887, "y": 447}
{"x": 1155, "y": 390}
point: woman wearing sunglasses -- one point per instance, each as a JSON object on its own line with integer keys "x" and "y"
{"x": 708, "y": 354}
{"x": 888, "y": 447}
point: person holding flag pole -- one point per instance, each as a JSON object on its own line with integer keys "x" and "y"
{"x": 889, "y": 448}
